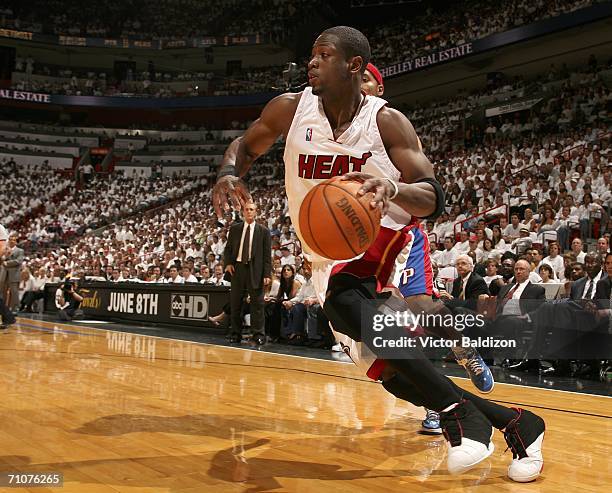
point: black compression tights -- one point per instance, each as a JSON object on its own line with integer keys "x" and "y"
{"x": 402, "y": 388}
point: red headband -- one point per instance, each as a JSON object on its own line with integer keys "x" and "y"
{"x": 374, "y": 71}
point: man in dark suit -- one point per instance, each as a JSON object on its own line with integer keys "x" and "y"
{"x": 584, "y": 288}
{"x": 514, "y": 300}
{"x": 468, "y": 287}
{"x": 11, "y": 264}
{"x": 518, "y": 297}
{"x": 604, "y": 286}
{"x": 7, "y": 316}
{"x": 248, "y": 258}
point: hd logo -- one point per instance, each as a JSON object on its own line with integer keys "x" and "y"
{"x": 187, "y": 306}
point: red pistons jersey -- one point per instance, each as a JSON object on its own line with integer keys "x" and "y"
{"x": 312, "y": 155}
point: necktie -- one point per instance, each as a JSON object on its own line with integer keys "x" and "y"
{"x": 462, "y": 294}
{"x": 246, "y": 254}
{"x": 589, "y": 294}
{"x": 509, "y": 295}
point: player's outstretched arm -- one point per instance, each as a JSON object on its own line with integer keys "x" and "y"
{"x": 417, "y": 194}
{"x": 275, "y": 120}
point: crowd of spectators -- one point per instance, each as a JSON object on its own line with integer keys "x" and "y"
{"x": 168, "y": 20}
{"x": 91, "y": 82}
{"x": 410, "y": 37}
{"x": 70, "y": 211}
{"x": 24, "y": 192}
{"x": 453, "y": 25}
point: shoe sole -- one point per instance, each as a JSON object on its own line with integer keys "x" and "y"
{"x": 533, "y": 477}
{"x": 490, "y": 450}
{"x": 430, "y": 431}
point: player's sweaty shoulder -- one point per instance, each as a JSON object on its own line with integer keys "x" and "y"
{"x": 281, "y": 110}
{"x": 395, "y": 128}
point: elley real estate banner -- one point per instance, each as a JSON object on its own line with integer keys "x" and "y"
{"x": 522, "y": 33}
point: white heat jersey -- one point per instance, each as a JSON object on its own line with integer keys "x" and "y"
{"x": 312, "y": 155}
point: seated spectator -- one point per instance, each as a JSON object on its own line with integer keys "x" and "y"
{"x": 602, "y": 290}
{"x": 449, "y": 254}
{"x": 584, "y": 288}
{"x": 218, "y": 277}
{"x": 512, "y": 231}
{"x": 463, "y": 245}
{"x": 603, "y": 247}
{"x": 491, "y": 273}
{"x": 36, "y": 292}
{"x": 555, "y": 261}
{"x": 287, "y": 257}
{"x": 434, "y": 253}
{"x": 523, "y": 242}
{"x": 187, "y": 275}
{"x": 468, "y": 287}
{"x": 302, "y": 318}
{"x": 174, "y": 277}
{"x": 545, "y": 271}
{"x": 287, "y": 291}
{"x": 204, "y": 274}
{"x": 514, "y": 298}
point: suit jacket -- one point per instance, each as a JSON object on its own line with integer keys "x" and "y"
{"x": 474, "y": 287}
{"x": 602, "y": 293}
{"x": 12, "y": 264}
{"x": 578, "y": 287}
{"x": 261, "y": 252}
{"x": 526, "y": 303}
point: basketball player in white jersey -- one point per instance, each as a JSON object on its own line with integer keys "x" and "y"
{"x": 332, "y": 129}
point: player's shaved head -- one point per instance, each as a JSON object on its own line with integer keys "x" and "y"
{"x": 352, "y": 42}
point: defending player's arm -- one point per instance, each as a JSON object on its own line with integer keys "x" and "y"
{"x": 420, "y": 194}
{"x": 275, "y": 120}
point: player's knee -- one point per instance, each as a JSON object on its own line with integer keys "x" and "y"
{"x": 403, "y": 389}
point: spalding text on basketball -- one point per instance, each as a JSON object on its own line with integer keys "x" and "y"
{"x": 349, "y": 212}
{"x": 324, "y": 166}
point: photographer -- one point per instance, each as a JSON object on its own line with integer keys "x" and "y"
{"x": 67, "y": 300}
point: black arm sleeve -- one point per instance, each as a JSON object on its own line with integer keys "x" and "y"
{"x": 440, "y": 198}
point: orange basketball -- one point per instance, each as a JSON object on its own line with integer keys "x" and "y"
{"x": 335, "y": 222}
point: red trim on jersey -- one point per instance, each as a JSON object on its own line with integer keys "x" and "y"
{"x": 379, "y": 259}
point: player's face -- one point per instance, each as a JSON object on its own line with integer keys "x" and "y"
{"x": 327, "y": 66}
{"x": 370, "y": 86}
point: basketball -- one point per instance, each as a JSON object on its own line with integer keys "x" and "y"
{"x": 335, "y": 222}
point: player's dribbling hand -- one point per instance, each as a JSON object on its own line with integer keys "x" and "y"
{"x": 229, "y": 189}
{"x": 380, "y": 187}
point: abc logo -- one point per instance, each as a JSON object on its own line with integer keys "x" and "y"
{"x": 189, "y": 306}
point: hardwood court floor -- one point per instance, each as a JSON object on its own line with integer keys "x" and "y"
{"x": 114, "y": 411}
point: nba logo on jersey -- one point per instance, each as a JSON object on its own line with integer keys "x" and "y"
{"x": 308, "y": 134}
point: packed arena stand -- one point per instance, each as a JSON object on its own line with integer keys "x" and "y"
{"x": 458, "y": 24}
{"x": 176, "y": 19}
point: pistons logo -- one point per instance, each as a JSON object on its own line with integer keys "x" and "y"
{"x": 324, "y": 166}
